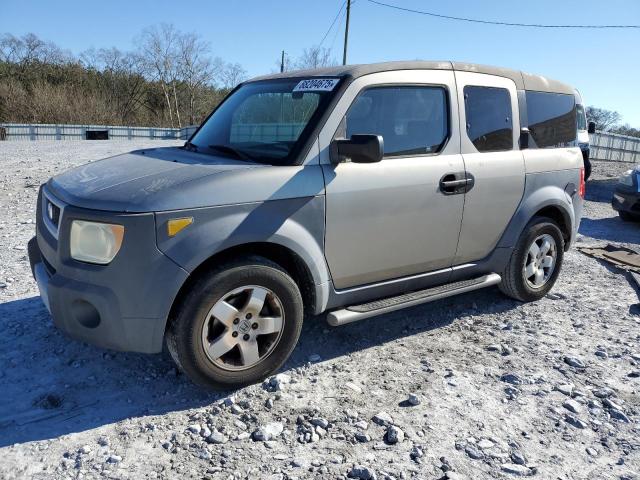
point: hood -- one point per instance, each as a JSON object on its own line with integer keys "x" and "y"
{"x": 170, "y": 178}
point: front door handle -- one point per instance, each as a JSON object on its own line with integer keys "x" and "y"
{"x": 456, "y": 183}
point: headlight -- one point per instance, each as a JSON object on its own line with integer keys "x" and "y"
{"x": 94, "y": 242}
{"x": 626, "y": 178}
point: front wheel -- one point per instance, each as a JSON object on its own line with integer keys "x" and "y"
{"x": 237, "y": 325}
{"x": 535, "y": 261}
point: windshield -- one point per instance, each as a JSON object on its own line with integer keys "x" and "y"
{"x": 582, "y": 119}
{"x": 267, "y": 121}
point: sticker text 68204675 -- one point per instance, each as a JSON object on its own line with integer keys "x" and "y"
{"x": 316, "y": 85}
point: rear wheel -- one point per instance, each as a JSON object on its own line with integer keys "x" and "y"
{"x": 628, "y": 217}
{"x": 238, "y": 324}
{"x": 535, "y": 261}
{"x": 587, "y": 169}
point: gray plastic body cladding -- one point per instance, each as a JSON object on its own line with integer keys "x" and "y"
{"x": 133, "y": 294}
{"x": 546, "y": 189}
{"x": 171, "y": 179}
{"x": 295, "y": 223}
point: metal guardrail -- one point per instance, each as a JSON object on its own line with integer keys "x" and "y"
{"x": 604, "y": 145}
{"x": 15, "y": 131}
{"x": 614, "y": 147}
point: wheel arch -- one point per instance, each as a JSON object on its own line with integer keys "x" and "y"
{"x": 549, "y": 201}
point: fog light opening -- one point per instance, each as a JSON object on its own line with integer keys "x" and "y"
{"x": 85, "y": 314}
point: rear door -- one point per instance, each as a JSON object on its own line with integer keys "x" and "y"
{"x": 490, "y": 130}
{"x": 391, "y": 219}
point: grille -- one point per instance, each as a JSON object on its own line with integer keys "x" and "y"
{"x": 51, "y": 213}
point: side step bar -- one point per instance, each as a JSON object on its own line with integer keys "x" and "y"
{"x": 391, "y": 304}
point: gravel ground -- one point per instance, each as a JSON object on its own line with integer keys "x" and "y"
{"x": 476, "y": 386}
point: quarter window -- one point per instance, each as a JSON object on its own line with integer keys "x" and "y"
{"x": 552, "y": 119}
{"x": 411, "y": 120}
{"x": 582, "y": 118}
{"x": 489, "y": 122}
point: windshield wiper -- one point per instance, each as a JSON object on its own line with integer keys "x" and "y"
{"x": 239, "y": 154}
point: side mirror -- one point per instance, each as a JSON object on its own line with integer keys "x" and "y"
{"x": 591, "y": 128}
{"x": 360, "y": 148}
{"x": 524, "y": 138}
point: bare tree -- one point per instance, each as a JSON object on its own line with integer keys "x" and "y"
{"x": 627, "y": 129}
{"x": 604, "y": 119}
{"x": 232, "y": 74}
{"x": 158, "y": 47}
{"x": 315, "y": 57}
{"x": 197, "y": 69}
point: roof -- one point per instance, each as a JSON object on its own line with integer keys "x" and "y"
{"x": 523, "y": 80}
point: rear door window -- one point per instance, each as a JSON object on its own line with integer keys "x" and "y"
{"x": 412, "y": 120}
{"x": 552, "y": 119}
{"x": 489, "y": 119}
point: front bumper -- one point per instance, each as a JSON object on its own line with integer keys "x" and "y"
{"x": 121, "y": 306}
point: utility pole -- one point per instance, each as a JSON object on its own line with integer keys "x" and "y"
{"x": 282, "y": 62}
{"x": 346, "y": 33}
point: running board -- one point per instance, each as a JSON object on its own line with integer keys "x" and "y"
{"x": 391, "y": 304}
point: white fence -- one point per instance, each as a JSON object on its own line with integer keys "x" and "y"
{"x": 611, "y": 146}
{"x": 15, "y": 131}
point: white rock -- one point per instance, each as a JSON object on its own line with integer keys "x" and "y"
{"x": 353, "y": 386}
{"x": 320, "y": 422}
{"x": 268, "y": 432}
{"x": 515, "y": 469}
{"x": 382, "y": 418}
{"x": 394, "y": 435}
{"x": 572, "y": 406}
{"x": 485, "y": 444}
{"x": 279, "y": 380}
{"x": 361, "y": 472}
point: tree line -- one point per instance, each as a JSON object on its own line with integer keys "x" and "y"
{"x": 610, "y": 121}
{"x": 171, "y": 79}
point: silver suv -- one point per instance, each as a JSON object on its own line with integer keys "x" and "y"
{"x": 351, "y": 191}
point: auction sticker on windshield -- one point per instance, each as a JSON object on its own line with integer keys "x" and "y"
{"x": 316, "y": 85}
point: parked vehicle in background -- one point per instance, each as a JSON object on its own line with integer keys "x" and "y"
{"x": 351, "y": 191}
{"x": 626, "y": 196}
{"x": 584, "y": 129}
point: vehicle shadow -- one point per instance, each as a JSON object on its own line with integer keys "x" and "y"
{"x": 613, "y": 229}
{"x": 54, "y": 386}
{"x": 600, "y": 190}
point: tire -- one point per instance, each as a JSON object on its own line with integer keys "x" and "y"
{"x": 515, "y": 282}
{"x": 194, "y": 335}
{"x": 628, "y": 217}
{"x": 587, "y": 169}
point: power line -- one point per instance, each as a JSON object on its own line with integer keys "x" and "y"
{"x": 332, "y": 23}
{"x": 335, "y": 35}
{"x": 489, "y": 22}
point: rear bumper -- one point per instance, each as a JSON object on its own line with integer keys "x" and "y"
{"x": 626, "y": 201}
{"x": 122, "y": 306}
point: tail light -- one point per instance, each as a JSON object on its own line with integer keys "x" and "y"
{"x": 582, "y": 188}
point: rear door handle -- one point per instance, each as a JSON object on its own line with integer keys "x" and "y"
{"x": 456, "y": 183}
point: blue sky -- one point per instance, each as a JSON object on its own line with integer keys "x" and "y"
{"x": 603, "y": 64}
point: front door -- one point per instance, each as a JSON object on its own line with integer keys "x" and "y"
{"x": 395, "y": 218}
